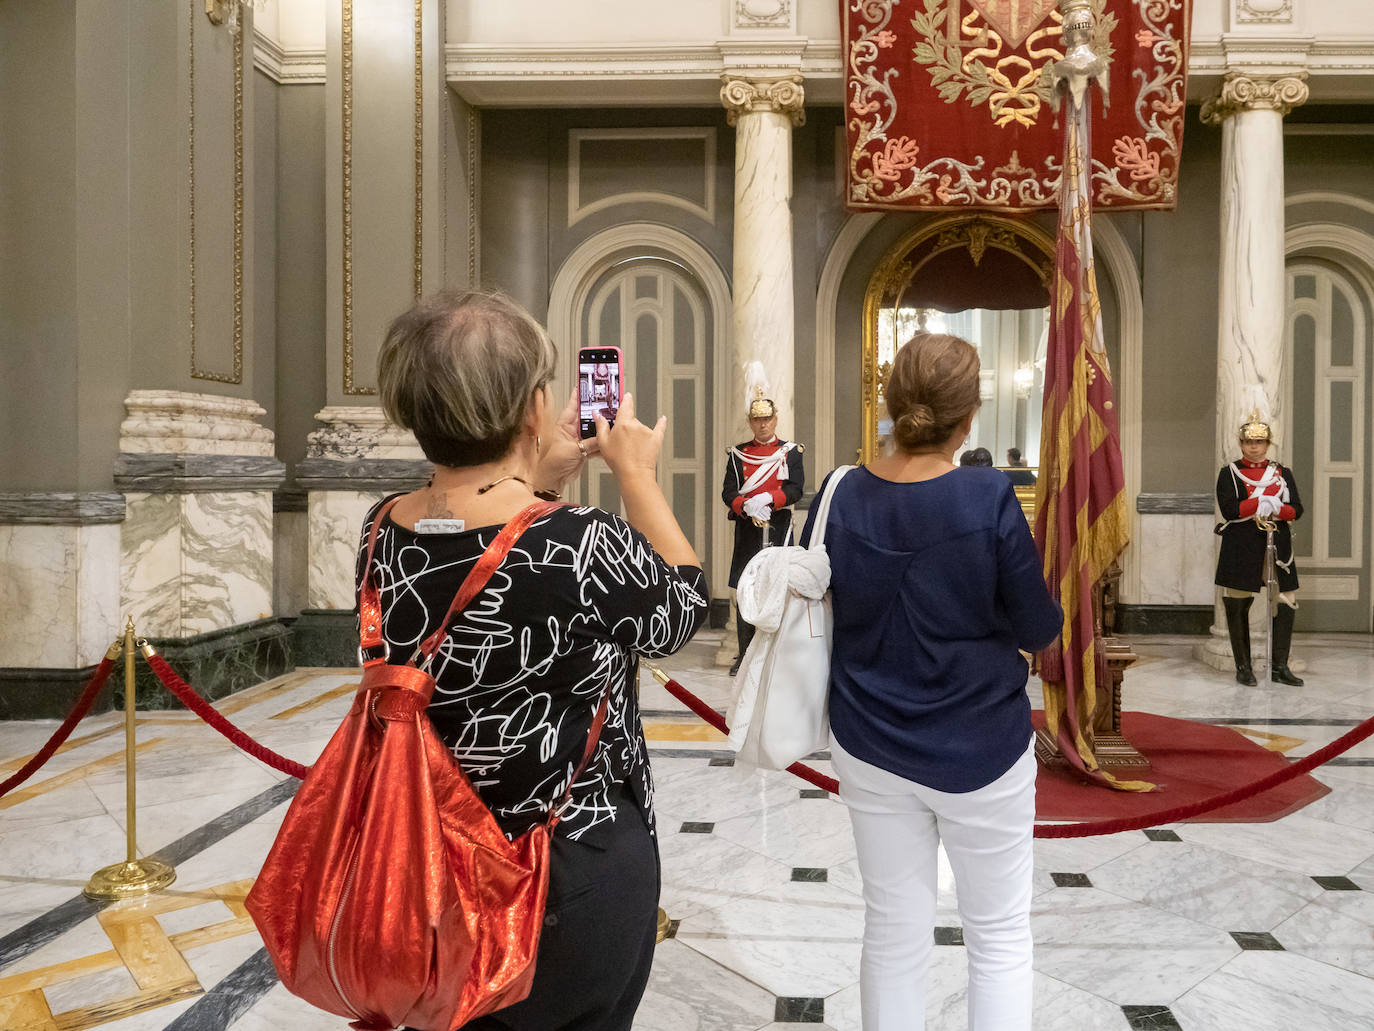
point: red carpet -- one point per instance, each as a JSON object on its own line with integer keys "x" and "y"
{"x": 1189, "y": 761}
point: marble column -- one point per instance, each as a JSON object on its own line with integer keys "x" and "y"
{"x": 1251, "y": 291}
{"x": 763, "y": 112}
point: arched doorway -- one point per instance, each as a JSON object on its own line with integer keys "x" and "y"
{"x": 675, "y": 261}
{"x": 1327, "y": 388}
{"x": 985, "y": 278}
{"x": 655, "y": 311}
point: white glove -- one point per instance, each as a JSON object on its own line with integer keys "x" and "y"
{"x": 759, "y": 507}
{"x": 1268, "y": 506}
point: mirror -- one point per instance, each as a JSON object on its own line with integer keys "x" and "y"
{"x": 1011, "y": 350}
{"x": 984, "y": 278}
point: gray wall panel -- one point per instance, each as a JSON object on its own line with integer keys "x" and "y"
{"x": 158, "y": 215}
{"x": 38, "y": 218}
{"x": 1179, "y": 374}
{"x": 105, "y": 50}
{"x": 264, "y": 296}
{"x": 300, "y": 385}
{"x": 515, "y": 206}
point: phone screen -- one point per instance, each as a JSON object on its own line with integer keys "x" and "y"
{"x": 598, "y": 386}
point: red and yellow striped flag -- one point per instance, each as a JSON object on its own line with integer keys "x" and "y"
{"x": 1081, "y": 521}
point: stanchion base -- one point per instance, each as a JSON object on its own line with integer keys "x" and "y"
{"x": 129, "y": 880}
{"x": 664, "y": 925}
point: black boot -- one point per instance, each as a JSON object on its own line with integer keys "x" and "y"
{"x": 1282, "y": 630}
{"x": 744, "y": 634}
{"x": 1238, "y": 623}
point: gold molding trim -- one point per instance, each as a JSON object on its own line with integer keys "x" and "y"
{"x": 346, "y": 81}
{"x": 419, "y": 149}
{"x": 474, "y": 188}
{"x": 235, "y": 377}
{"x": 973, "y": 233}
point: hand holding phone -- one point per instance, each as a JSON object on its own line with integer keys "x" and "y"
{"x": 599, "y": 387}
{"x": 631, "y": 450}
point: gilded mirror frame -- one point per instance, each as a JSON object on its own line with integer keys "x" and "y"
{"x": 904, "y": 260}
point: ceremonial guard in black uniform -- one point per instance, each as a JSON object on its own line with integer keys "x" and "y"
{"x": 763, "y": 479}
{"x": 1250, "y": 491}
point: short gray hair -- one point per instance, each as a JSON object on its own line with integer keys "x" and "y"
{"x": 459, "y": 370}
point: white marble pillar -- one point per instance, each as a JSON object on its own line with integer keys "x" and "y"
{"x": 763, "y": 112}
{"x": 1251, "y": 291}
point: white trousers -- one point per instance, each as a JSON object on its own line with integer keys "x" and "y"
{"x": 987, "y": 834}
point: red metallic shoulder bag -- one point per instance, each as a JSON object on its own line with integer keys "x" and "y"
{"x": 390, "y": 896}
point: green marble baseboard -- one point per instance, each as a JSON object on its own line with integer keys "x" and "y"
{"x": 1163, "y": 619}
{"x": 216, "y": 664}
{"x": 47, "y": 694}
{"x": 325, "y": 637}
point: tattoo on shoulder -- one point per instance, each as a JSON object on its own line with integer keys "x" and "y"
{"x": 436, "y": 507}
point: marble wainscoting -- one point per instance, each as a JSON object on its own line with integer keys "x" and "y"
{"x": 59, "y": 592}
{"x": 197, "y": 546}
{"x": 1176, "y": 552}
{"x": 194, "y": 563}
{"x": 351, "y": 463}
{"x": 335, "y": 518}
{"x": 290, "y": 552}
{"x": 1177, "y": 555}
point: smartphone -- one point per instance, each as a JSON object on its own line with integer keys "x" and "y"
{"x": 598, "y": 386}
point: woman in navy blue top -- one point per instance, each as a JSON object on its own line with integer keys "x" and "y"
{"x": 937, "y": 587}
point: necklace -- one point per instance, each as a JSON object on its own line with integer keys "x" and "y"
{"x": 503, "y": 479}
{"x": 548, "y": 494}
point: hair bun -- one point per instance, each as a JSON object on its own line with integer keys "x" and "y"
{"x": 918, "y": 418}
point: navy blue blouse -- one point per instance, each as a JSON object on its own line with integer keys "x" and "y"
{"x": 935, "y": 586}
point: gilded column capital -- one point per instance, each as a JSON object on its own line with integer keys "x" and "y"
{"x": 1241, "y": 92}
{"x": 783, "y": 94}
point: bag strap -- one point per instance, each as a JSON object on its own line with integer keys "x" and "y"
{"x": 823, "y": 511}
{"x": 370, "y": 599}
{"x": 370, "y": 604}
{"x": 370, "y": 609}
{"x": 593, "y": 736}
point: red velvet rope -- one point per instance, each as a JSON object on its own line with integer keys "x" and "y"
{"x": 78, "y": 713}
{"x": 210, "y": 715}
{"x": 1096, "y": 827}
{"x": 1186, "y": 812}
{"x": 198, "y": 705}
{"x": 806, "y": 773}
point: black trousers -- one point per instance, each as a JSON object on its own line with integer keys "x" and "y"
{"x": 597, "y": 946}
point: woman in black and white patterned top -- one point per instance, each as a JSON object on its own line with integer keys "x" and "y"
{"x": 524, "y": 665}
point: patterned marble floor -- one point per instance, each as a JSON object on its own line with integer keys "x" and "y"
{"x": 1197, "y": 927}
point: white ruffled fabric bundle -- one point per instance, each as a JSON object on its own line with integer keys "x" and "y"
{"x": 763, "y": 588}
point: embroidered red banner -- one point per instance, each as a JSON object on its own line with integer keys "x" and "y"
{"x": 948, "y": 103}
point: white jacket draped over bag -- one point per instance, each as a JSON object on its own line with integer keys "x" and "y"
{"x": 779, "y": 712}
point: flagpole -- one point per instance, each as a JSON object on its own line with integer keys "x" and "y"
{"x": 1080, "y": 671}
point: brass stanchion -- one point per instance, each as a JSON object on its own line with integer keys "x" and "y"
{"x": 134, "y": 876}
